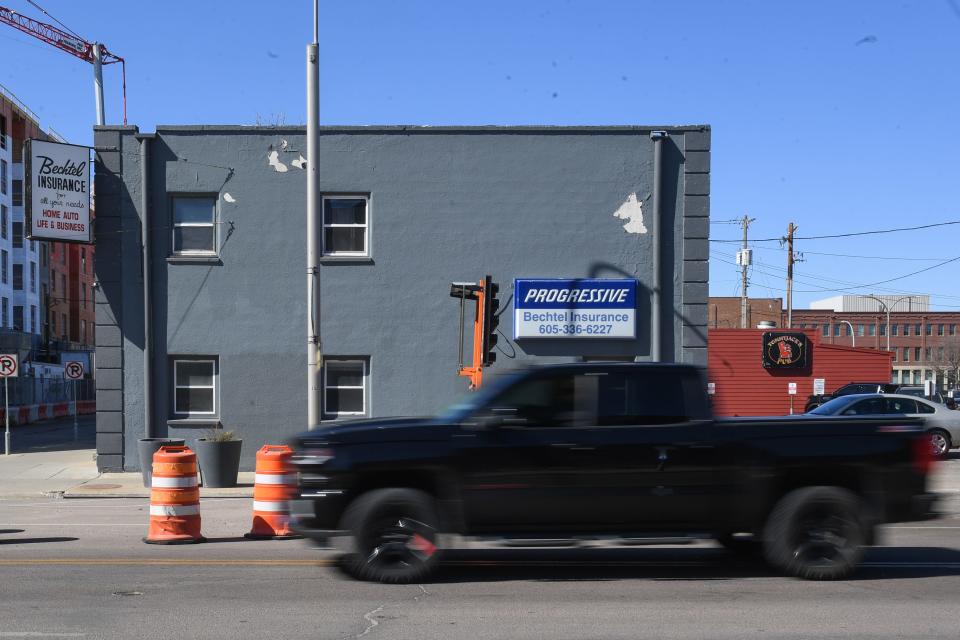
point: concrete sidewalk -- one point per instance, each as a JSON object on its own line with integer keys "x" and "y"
{"x": 74, "y": 474}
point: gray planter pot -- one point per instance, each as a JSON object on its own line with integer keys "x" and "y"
{"x": 219, "y": 462}
{"x": 146, "y": 447}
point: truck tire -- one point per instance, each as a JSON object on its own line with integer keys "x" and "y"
{"x": 816, "y": 533}
{"x": 940, "y": 441}
{"x": 392, "y": 536}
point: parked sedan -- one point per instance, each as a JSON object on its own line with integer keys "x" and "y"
{"x": 941, "y": 423}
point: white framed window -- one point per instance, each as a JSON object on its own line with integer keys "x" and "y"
{"x": 346, "y": 226}
{"x": 195, "y": 387}
{"x": 194, "y": 225}
{"x": 345, "y": 387}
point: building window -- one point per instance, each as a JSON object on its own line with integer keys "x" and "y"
{"x": 4, "y": 259}
{"x": 64, "y": 327}
{"x": 3, "y": 177}
{"x": 53, "y": 323}
{"x": 83, "y": 294}
{"x": 826, "y": 330}
{"x": 894, "y": 357}
{"x": 916, "y": 376}
{"x": 4, "y": 222}
{"x": 928, "y": 354}
{"x": 939, "y": 354}
{"x": 939, "y": 329}
{"x": 814, "y": 326}
{"x": 883, "y": 330}
{"x": 836, "y": 329}
{"x": 33, "y": 318}
{"x": 194, "y": 225}
{"x": 195, "y": 387}
{"x": 906, "y": 354}
{"x": 17, "y": 277}
{"x": 63, "y": 254}
{"x": 860, "y": 330}
{"x": 44, "y": 254}
{"x": 918, "y": 328}
{"x": 33, "y": 277}
{"x": 83, "y": 260}
{"x": 895, "y": 329}
{"x": 18, "y": 317}
{"x": 929, "y": 329}
{"x": 17, "y": 193}
{"x": 916, "y": 354}
{"x": 345, "y": 222}
{"x": 906, "y": 330}
{"x": 3, "y": 132}
{"x": 953, "y": 329}
{"x": 5, "y": 312}
{"x": 17, "y": 235}
{"x": 63, "y": 286}
{"x": 871, "y": 329}
{"x": 83, "y": 331}
{"x": 345, "y": 387}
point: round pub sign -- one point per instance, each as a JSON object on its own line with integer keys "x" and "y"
{"x": 785, "y": 350}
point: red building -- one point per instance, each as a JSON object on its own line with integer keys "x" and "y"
{"x": 744, "y": 387}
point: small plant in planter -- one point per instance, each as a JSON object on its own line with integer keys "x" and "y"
{"x": 218, "y": 455}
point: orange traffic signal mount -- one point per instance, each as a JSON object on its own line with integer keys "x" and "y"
{"x": 485, "y": 323}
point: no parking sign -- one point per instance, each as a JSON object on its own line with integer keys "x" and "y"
{"x": 73, "y": 370}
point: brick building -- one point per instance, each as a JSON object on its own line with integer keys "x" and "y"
{"x": 724, "y": 313}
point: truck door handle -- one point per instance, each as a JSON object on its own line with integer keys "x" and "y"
{"x": 573, "y": 446}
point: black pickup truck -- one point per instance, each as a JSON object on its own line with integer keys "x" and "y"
{"x": 606, "y": 451}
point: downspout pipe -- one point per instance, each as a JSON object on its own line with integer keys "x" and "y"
{"x": 145, "y": 217}
{"x": 656, "y": 303}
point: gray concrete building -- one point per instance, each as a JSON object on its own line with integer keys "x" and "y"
{"x": 406, "y": 211}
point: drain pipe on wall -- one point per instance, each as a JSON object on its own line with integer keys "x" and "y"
{"x": 148, "y": 431}
{"x": 655, "y": 291}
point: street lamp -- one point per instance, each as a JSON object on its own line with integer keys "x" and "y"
{"x": 888, "y": 309}
{"x": 853, "y": 335}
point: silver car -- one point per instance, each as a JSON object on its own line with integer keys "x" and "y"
{"x": 941, "y": 423}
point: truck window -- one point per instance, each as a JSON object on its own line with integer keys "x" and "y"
{"x": 640, "y": 398}
{"x": 542, "y": 401}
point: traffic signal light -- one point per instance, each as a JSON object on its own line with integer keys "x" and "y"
{"x": 490, "y": 320}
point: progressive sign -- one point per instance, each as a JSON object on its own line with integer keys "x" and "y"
{"x": 568, "y": 308}
{"x": 57, "y": 191}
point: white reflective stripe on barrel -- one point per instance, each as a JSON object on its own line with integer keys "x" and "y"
{"x": 277, "y": 478}
{"x": 174, "y": 509}
{"x": 181, "y": 482}
{"x": 279, "y": 507}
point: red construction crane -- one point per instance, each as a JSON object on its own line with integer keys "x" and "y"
{"x": 94, "y": 53}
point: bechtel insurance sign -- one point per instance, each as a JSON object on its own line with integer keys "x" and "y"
{"x": 57, "y": 191}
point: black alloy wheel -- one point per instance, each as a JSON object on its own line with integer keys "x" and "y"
{"x": 815, "y": 533}
{"x": 394, "y": 536}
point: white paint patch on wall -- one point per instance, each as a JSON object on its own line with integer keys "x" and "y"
{"x": 300, "y": 163}
{"x": 274, "y": 159}
{"x": 632, "y": 211}
{"x": 228, "y": 198}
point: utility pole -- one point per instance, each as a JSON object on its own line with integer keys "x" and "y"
{"x": 790, "y": 259}
{"x": 744, "y": 260}
{"x": 314, "y": 349}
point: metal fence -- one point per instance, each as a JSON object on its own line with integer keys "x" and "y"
{"x": 30, "y": 391}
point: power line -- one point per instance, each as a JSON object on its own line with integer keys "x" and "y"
{"x": 853, "y": 233}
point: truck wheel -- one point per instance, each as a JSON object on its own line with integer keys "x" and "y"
{"x": 815, "y": 533}
{"x": 940, "y": 441}
{"x": 393, "y": 536}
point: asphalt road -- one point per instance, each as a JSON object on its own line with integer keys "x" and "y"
{"x": 54, "y": 435}
{"x": 78, "y": 569}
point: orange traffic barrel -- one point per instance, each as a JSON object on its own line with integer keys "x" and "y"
{"x": 174, "y": 497}
{"x": 274, "y": 484}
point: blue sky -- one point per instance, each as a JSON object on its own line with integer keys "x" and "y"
{"x": 837, "y": 116}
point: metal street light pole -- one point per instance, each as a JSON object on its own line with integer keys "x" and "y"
{"x": 888, "y": 309}
{"x": 314, "y": 350}
{"x": 853, "y": 335}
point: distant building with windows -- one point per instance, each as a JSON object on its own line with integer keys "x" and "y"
{"x": 40, "y": 314}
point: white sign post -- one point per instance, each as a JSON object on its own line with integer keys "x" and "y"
{"x": 8, "y": 369}
{"x": 73, "y": 370}
{"x": 792, "y": 390}
{"x": 57, "y": 191}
